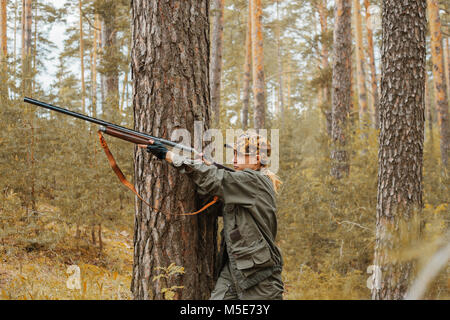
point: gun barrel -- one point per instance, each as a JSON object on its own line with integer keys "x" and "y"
{"x": 117, "y": 130}
{"x": 106, "y": 124}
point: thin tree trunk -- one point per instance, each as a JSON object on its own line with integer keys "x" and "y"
{"x": 259, "y": 95}
{"x": 428, "y": 108}
{"x": 16, "y": 8}
{"x": 26, "y": 45}
{"x": 100, "y": 239}
{"x": 83, "y": 85}
{"x": 3, "y": 52}
{"x": 400, "y": 155}
{"x": 373, "y": 73}
{"x": 360, "y": 70}
{"x": 101, "y": 44}
{"x": 3, "y": 28}
{"x": 111, "y": 80}
{"x": 95, "y": 47}
{"x": 447, "y": 66}
{"x": 289, "y": 84}
{"x": 280, "y": 69}
{"x": 341, "y": 88}
{"x": 247, "y": 71}
{"x": 326, "y": 92}
{"x": 33, "y": 83}
{"x": 217, "y": 7}
{"x": 94, "y": 242}
{"x": 440, "y": 87}
{"x": 171, "y": 90}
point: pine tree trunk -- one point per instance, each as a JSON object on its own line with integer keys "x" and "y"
{"x": 26, "y": 45}
{"x": 429, "y": 112}
{"x": 400, "y": 155}
{"x": 247, "y": 71}
{"x": 83, "y": 86}
{"x": 95, "y": 46}
{"x": 341, "y": 88}
{"x": 280, "y": 107}
{"x": 326, "y": 91}
{"x": 360, "y": 70}
{"x": 111, "y": 74}
{"x": 447, "y": 67}
{"x": 440, "y": 86}
{"x": 3, "y": 53}
{"x": 373, "y": 73}
{"x": 217, "y": 7}
{"x": 170, "y": 64}
{"x": 3, "y": 28}
{"x": 259, "y": 94}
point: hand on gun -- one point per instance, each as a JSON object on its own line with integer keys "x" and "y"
{"x": 160, "y": 151}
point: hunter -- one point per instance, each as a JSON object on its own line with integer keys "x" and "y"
{"x": 250, "y": 262}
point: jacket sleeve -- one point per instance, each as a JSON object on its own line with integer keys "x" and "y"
{"x": 231, "y": 187}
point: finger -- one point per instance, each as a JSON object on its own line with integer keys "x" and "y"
{"x": 151, "y": 141}
{"x": 142, "y": 145}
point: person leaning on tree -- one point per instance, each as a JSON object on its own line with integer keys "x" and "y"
{"x": 250, "y": 262}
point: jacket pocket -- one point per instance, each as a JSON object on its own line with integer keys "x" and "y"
{"x": 250, "y": 259}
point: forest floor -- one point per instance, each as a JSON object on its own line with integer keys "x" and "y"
{"x": 42, "y": 272}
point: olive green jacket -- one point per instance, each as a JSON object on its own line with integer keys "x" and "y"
{"x": 249, "y": 218}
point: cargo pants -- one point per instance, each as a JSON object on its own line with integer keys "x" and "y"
{"x": 268, "y": 289}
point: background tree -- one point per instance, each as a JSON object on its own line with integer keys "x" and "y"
{"x": 341, "y": 94}
{"x": 401, "y": 141}
{"x": 258, "y": 65}
{"x": 440, "y": 87}
{"x": 217, "y": 7}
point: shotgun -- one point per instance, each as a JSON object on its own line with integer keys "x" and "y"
{"x": 120, "y": 132}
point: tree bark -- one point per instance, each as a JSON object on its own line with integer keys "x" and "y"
{"x": 341, "y": 88}
{"x": 440, "y": 87}
{"x": 373, "y": 73}
{"x": 259, "y": 95}
{"x": 247, "y": 71}
{"x": 400, "y": 155}
{"x": 170, "y": 64}
{"x": 360, "y": 69}
{"x": 217, "y": 7}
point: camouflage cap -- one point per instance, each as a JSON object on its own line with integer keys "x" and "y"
{"x": 251, "y": 143}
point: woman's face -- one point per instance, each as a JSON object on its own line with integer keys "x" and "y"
{"x": 242, "y": 161}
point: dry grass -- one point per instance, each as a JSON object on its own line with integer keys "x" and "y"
{"x": 39, "y": 272}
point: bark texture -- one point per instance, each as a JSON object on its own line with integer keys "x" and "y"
{"x": 259, "y": 95}
{"x": 217, "y": 7}
{"x": 341, "y": 88}
{"x": 440, "y": 86}
{"x": 170, "y": 65}
{"x": 401, "y": 138}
